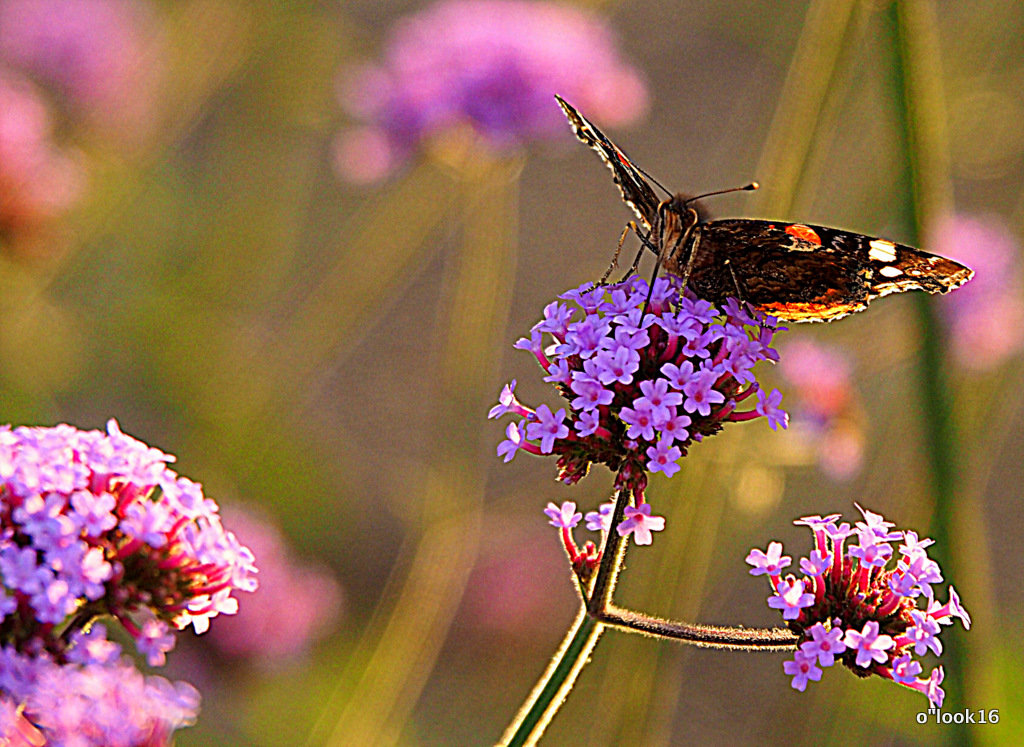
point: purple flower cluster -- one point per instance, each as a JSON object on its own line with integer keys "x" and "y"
{"x": 851, "y": 606}
{"x": 493, "y": 65}
{"x": 94, "y": 524}
{"x": 640, "y": 388}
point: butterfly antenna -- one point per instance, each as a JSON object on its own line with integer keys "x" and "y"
{"x": 745, "y": 188}
{"x": 659, "y": 184}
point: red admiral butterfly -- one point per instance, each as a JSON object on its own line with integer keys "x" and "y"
{"x": 794, "y": 271}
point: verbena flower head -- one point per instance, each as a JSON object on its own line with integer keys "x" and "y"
{"x": 638, "y": 392}
{"x": 94, "y": 524}
{"x": 494, "y": 65}
{"x": 861, "y": 602}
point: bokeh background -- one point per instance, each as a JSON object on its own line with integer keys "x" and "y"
{"x": 293, "y": 243}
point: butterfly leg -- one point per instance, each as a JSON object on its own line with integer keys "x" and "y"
{"x": 665, "y": 252}
{"x": 736, "y": 285}
{"x": 650, "y": 287}
{"x": 645, "y": 243}
{"x": 618, "y": 251}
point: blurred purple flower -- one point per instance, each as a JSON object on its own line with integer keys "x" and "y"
{"x": 492, "y": 64}
{"x": 96, "y": 704}
{"x": 294, "y": 605}
{"x": 38, "y": 180}
{"x": 509, "y": 591}
{"x": 985, "y": 318}
{"x": 95, "y": 53}
{"x": 827, "y": 411}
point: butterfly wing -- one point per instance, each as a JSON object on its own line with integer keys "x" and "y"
{"x": 636, "y": 190}
{"x": 805, "y": 273}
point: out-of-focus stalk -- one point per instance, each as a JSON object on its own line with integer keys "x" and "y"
{"x": 918, "y": 70}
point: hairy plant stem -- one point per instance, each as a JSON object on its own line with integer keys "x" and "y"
{"x": 597, "y": 612}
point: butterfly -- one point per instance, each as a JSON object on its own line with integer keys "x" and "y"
{"x": 796, "y": 272}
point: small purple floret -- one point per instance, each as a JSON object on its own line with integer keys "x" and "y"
{"x": 564, "y": 516}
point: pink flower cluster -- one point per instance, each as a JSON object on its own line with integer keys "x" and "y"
{"x": 96, "y": 55}
{"x": 38, "y": 179}
{"x": 84, "y": 62}
{"x": 97, "y": 703}
{"x": 985, "y": 318}
{"x": 95, "y": 525}
{"x": 296, "y": 603}
{"x": 851, "y": 606}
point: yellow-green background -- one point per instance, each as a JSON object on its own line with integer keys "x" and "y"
{"x": 328, "y": 352}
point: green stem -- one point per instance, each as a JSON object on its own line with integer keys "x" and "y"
{"x": 552, "y": 688}
{"x": 943, "y": 459}
{"x": 919, "y": 89}
{"x": 596, "y": 613}
{"x": 612, "y": 555}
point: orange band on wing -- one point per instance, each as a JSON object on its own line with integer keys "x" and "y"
{"x": 804, "y": 232}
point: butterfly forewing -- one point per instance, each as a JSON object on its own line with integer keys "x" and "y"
{"x": 636, "y": 190}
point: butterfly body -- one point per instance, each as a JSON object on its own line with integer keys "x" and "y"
{"x": 794, "y": 271}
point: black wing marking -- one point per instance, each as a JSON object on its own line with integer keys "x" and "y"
{"x": 636, "y": 190}
{"x": 801, "y": 272}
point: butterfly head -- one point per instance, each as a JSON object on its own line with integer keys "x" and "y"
{"x": 687, "y": 208}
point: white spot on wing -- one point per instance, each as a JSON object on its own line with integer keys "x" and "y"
{"x": 882, "y": 250}
{"x": 890, "y": 272}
